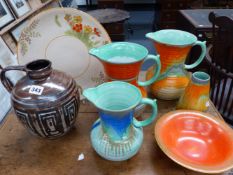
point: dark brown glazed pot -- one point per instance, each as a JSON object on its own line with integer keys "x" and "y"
{"x": 46, "y": 101}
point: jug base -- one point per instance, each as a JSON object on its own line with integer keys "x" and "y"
{"x": 168, "y": 93}
{"x": 172, "y": 83}
{"x": 119, "y": 150}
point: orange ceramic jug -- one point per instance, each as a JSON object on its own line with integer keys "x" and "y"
{"x": 173, "y": 47}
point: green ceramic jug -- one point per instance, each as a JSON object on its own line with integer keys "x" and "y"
{"x": 117, "y": 135}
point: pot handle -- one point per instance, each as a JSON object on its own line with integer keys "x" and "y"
{"x": 201, "y": 57}
{"x": 149, "y": 120}
{"x": 156, "y": 59}
{"x": 5, "y": 81}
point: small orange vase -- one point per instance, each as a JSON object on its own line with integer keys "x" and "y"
{"x": 196, "y": 94}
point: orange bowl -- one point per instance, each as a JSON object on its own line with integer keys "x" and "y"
{"x": 196, "y": 140}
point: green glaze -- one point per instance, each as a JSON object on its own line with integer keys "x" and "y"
{"x": 108, "y": 96}
{"x": 200, "y": 78}
{"x": 116, "y": 151}
{"x": 120, "y": 49}
{"x": 201, "y": 57}
{"x": 128, "y": 53}
{"x": 156, "y": 75}
{"x": 117, "y": 135}
{"x": 173, "y": 37}
{"x": 151, "y": 118}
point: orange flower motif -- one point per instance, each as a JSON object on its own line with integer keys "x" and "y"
{"x": 78, "y": 19}
{"x": 96, "y": 31}
{"x": 78, "y": 27}
{"x": 87, "y": 29}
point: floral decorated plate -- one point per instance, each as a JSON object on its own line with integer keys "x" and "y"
{"x": 64, "y": 36}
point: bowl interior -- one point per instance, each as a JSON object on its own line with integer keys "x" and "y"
{"x": 196, "y": 140}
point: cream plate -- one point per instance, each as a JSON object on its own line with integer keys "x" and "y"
{"x": 64, "y": 36}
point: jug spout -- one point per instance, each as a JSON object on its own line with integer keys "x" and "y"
{"x": 91, "y": 94}
{"x": 150, "y": 35}
{"x": 95, "y": 52}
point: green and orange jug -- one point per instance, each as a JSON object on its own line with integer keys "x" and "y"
{"x": 173, "y": 46}
{"x": 122, "y": 61}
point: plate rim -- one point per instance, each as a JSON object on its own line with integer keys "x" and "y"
{"x": 61, "y": 9}
{"x": 72, "y": 11}
{"x": 180, "y": 161}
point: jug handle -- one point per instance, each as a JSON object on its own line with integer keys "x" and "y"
{"x": 156, "y": 74}
{"x": 149, "y": 120}
{"x": 5, "y": 81}
{"x": 201, "y": 57}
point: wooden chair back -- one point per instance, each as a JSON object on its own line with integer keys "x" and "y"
{"x": 220, "y": 60}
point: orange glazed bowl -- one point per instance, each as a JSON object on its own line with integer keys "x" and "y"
{"x": 196, "y": 140}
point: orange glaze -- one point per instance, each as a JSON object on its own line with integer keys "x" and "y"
{"x": 197, "y": 90}
{"x": 194, "y": 97}
{"x": 176, "y": 82}
{"x": 122, "y": 71}
{"x": 196, "y": 139}
{"x": 170, "y": 55}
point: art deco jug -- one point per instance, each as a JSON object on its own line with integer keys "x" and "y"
{"x": 173, "y": 47}
{"x": 117, "y": 135}
{"x": 122, "y": 61}
{"x": 45, "y": 101}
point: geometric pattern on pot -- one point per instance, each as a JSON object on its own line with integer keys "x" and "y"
{"x": 64, "y": 36}
{"x": 50, "y": 123}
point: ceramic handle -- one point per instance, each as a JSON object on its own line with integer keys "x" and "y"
{"x": 147, "y": 121}
{"x": 5, "y": 81}
{"x": 201, "y": 57}
{"x": 156, "y": 59}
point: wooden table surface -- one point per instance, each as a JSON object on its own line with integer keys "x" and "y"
{"x": 24, "y": 154}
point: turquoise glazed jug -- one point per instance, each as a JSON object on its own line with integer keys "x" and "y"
{"x": 117, "y": 135}
{"x": 122, "y": 61}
